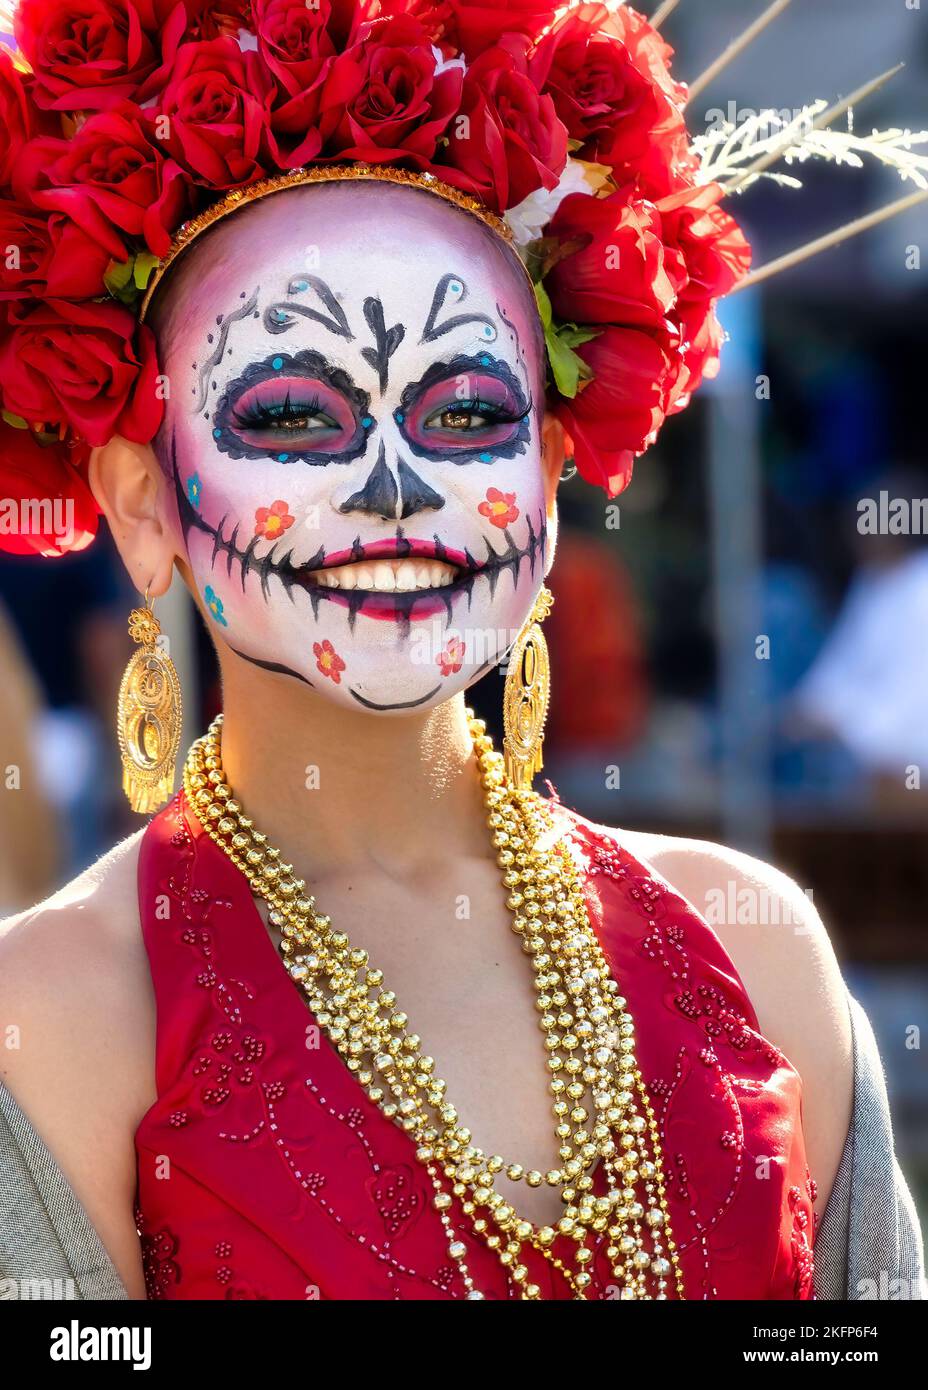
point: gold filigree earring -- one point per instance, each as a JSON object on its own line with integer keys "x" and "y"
{"x": 526, "y": 696}
{"x": 148, "y": 716}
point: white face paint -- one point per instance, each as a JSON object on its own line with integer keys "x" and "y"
{"x": 354, "y": 439}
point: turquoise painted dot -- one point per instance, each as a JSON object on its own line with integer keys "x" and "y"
{"x": 277, "y": 363}
{"x": 398, "y": 416}
{"x": 302, "y": 285}
{"x": 484, "y": 360}
{"x": 488, "y": 331}
{"x": 282, "y": 458}
{"x": 366, "y": 421}
{"x": 455, "y": 287}
{"x": 485, "y": 458}
{"x": 217, "y": 434}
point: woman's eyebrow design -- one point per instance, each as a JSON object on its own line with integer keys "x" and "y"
{"x": 283, "y": 314}
{"x": 225, "y": 322}
{"x": 452, "y": 287}
{"x": 387, "y": 339}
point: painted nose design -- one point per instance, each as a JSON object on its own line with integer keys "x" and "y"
{"x": 382, "y": 495}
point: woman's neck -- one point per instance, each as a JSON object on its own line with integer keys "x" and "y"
{"x": 340, "y": 792}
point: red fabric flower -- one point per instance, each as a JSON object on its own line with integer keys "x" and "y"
{"x": 499, "y": 507}
{"x": 217, "y": 102}
{"x": 87, "y": 55}
{"x": 451, "y": 658}
{"x": 383, "y": 99}
{"x": 298, "y": 43}
{"x": 19, "y": 119}
{"x": 328, "y": 661}
{"x": 211, "y": 19}
{"x": 706, "y": 256}
{"x": 608, "y": 75}
{"x": 472, "y": 26}
{"x": 619, "y": 276}
{"x": 25, "y": 245}
{"x": 507, "y": 140}
{"x": 113, "y": 181}
{"x": 89, "y": 366}
{"x": 46, "y": 507}
{"x": 272, "y": 521}
{"x": 616, "y": 415}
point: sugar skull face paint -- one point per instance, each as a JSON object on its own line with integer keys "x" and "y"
{"x": 353, "y": 440}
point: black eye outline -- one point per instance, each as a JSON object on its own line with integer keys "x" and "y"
{"x": 312, "y": 365}
{"x": 467, "y": 365}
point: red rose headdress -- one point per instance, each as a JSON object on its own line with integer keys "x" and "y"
{"x": 129, "y": 126}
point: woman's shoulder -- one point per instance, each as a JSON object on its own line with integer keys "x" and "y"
{"x": 771, "y": 930}
{"x": 77, "y": 1030}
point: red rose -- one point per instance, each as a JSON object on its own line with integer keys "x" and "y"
{"x": 617, "y": 414}
{"x": 211, "y": 19}
{"x": 19, "y": 120}
{"x": 619, "y": 277}
{"x": 217, "y": 103}
{"x": 89, "y": 366}
{"x": 507, "y": 139}
{"x": 114, "y": 183}
{"x": 46, "y": 507}
{"x": 473, "y": 26}
{"x": 608, "y": 76}
{"x": 24, "y": 249}
{"x": 87, "y": 55}
{"x": 707, "y": 255}
{"x": 295, "y": 39}
{"x": 383, "y": 98}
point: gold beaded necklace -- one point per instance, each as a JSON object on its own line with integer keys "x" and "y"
{"x": 601, "y": 1107}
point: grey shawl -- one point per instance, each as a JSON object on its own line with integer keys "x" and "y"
{"x": 868, "y": 1245}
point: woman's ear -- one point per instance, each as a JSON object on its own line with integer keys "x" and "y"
{"x": 129, "y": 486}
{"x": 553, "y": 457}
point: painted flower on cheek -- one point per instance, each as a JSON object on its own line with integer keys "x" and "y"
{"x": 214, "y": 604}
{"x": 272, "y": 521}
{"x": 194, "y": 490}
{"x": 451, "y": 658}
{"x": 499, "y": 507}
{"x": 328, "y": 660}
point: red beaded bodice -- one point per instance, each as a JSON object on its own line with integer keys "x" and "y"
{"x": 265, "y": 1171}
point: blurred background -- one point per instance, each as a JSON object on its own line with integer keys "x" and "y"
{"x": 757, "y": 671}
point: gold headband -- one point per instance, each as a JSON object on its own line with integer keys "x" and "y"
{"x": 320, "y": 173}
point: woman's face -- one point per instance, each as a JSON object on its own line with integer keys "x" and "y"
{"x": 353, "y": 440}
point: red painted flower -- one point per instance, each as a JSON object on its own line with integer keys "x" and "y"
{"x": 328, "y": 660}
{"x": 499, "y": 507}
{"x": 272, "y": 521}
{"x": 451, "y": 658}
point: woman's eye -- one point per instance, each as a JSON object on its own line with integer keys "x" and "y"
{"x": 283, "y": 419}
{"x": 462, "y": 418}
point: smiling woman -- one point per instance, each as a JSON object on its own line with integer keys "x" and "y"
{"x": 317, "y": 300}
{"x": 350, "y": 382}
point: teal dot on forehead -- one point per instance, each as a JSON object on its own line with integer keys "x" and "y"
{"x": 301, "y": 285}
{"x": 455, "y": 287}
{"x": 277, "y": 363}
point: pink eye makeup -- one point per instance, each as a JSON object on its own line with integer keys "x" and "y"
{"x": 469, "y": 409}
{"x": 293, "y": 408}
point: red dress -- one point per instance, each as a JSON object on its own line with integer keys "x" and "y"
{"x": 264, "y": 1170}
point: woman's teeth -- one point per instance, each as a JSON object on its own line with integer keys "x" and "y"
{"x": 387, "y": 576}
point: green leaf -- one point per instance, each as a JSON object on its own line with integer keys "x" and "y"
{"x": 567, "y": 366}
{"x": 544, "y": 305}
{"x": 16, "y": 421}
{"x": 145, "y": 264}
{"x": 117, "y": 276}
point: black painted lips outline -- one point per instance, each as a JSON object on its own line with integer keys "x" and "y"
{"x": 295, "y": 576}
